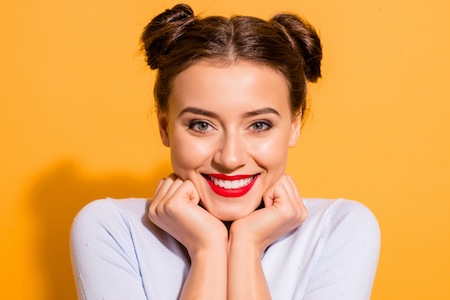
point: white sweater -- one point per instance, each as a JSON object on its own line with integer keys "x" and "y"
{"x": 117, "y": 253}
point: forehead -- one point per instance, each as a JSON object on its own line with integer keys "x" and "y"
{"x": 230, "y": 66}
{"x": 239, "y": 84}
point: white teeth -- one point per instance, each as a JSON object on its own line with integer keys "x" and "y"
{"x": 227, "y": 185}
{"x": 231, "y": 184}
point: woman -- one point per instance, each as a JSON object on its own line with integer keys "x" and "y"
{"x": 228, "y": 223}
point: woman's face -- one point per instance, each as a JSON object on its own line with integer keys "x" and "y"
{"x": 229, "y": 129}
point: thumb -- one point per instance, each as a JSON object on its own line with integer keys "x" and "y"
{"x": 269, "y": 197}
{"x": 275, "y": 195}
{"x": 191, "y": 192}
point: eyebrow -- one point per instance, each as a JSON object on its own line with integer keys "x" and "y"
{"x": 262, "y": 111}
{"x": 198, "y": 111}
{"x": 207, "y": 113}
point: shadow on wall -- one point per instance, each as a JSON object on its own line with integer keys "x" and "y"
{"x": 57, "y": 196}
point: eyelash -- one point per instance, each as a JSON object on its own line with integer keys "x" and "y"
{"x": 267, "y": 125}
{"x": 193, "y": 125}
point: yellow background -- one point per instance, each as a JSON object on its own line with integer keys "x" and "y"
{"x": 77, "y": 124}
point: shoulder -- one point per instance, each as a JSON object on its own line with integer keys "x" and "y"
{"x": 347, "y": 249}
{"x": 342, "y": 225}
{"x": 333, "y": 254}
{"x": 341, "y": 212}
{"x": 105, "y": 249}
{"x": 347, "y": 232}
{"x": 104, "y": 209}
{"x": 108, "y": 215}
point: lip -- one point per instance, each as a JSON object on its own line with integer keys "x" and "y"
{"x": 232, "y": 193}
{"x": 228, "y": 177}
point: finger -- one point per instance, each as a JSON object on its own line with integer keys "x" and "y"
{"x": 170, "y": 191}
{"x": 276, "y": 194}
{"x": 268, "y": 197}
{"x": 294, "y": 190}
{"x": 182, "y": 192}
{"x": 162, "y": 191}
{"x": 303, "y": 211}
{"x": 281, "y": 195}
{"x": 284, "y": 180}
{"x": 163, "y": 187}
{"x": 173, "y": 176}
{"x": 191, "y": 191}
{"x": 160, "y": 182}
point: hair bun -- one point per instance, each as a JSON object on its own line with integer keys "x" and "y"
{"x": 163, "y": 30}
{"x": 304, "y": 39}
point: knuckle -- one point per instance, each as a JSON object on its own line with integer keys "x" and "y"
{"x": 152, "y": 215}
{"x": 152, "y": 209}
{"x": 171, "y": 207}
{"x": 303, "y": 216}
{"x": 287, "y": 213}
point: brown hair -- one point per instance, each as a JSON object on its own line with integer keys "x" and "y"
{"x": 176, "y": 39}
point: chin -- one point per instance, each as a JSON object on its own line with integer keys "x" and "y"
{"x": 229, "y": 213}
{"x": 229, "y": 217}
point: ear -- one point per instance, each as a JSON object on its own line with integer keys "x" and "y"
{"x": 163, "y": 128}
{"x": 295, "y": 129}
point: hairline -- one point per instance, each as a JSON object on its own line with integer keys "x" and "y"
{"x": 225, "y": 62}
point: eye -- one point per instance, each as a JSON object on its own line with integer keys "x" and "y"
{"x": 261, "y": 126}
{"x": 200, "y": 126}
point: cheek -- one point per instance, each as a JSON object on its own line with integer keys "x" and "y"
{"x": 272, "y": 154}
{"x": 187, "y": 154}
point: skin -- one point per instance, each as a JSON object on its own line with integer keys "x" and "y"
{"x": 227, "y": 121}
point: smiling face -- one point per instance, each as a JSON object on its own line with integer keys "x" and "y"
{"x": 229, "y": 129}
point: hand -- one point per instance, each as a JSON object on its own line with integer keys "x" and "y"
{"x": 175, "y": 210}
{"x": 284, "y": 211}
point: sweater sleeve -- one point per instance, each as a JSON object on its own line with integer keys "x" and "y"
{"x": 103, "y": 254}
{"x": 349, "y": 254}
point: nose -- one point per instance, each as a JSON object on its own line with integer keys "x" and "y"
{"x": 231, "y": 153}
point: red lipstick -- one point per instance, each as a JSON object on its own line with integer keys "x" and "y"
{"x": 230, "y": 191}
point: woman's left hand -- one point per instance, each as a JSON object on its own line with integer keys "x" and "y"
{"x": 284, "y": 211}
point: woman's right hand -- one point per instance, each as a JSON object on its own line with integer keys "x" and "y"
{"x": 175, "y": 209}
